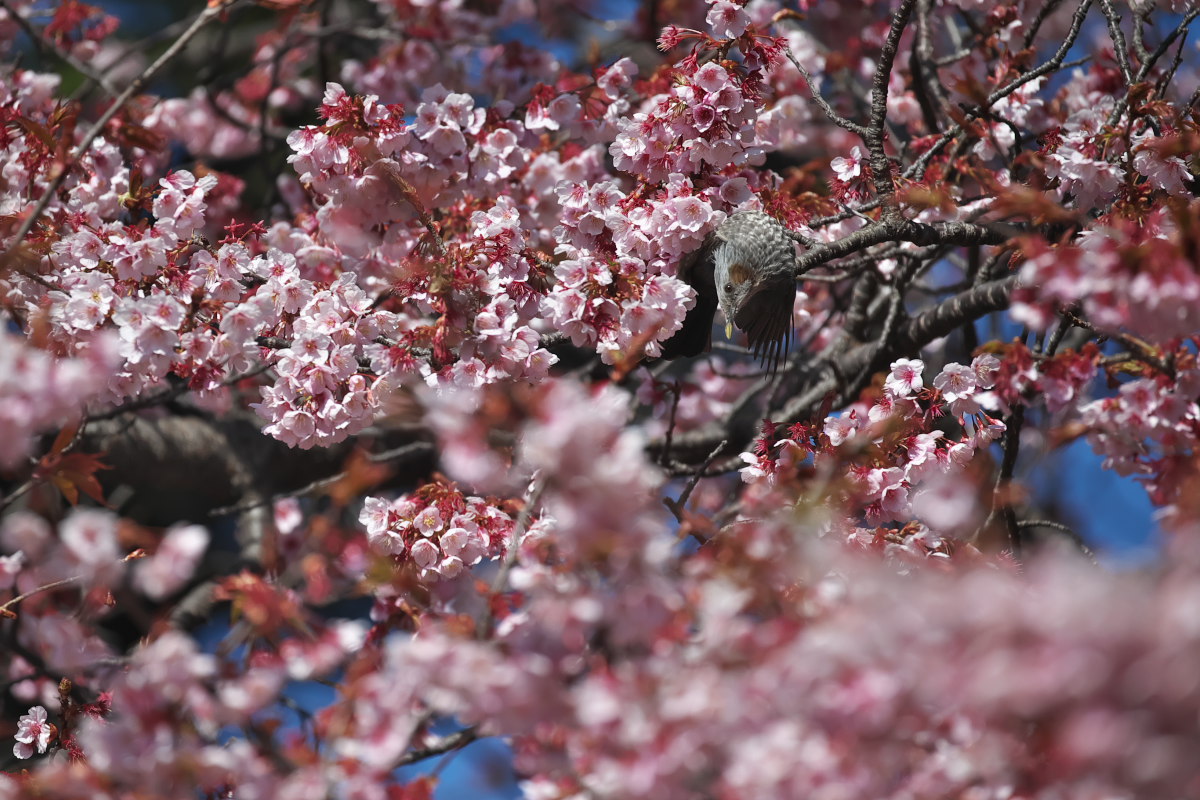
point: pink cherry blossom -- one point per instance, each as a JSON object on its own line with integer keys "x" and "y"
{"x": 173, "y": 563}
{"x": 905, "y": 377}
{"x": 727, "y": 19}
{"x": 33, "y": 733}
{"x": 957, "y": 385}
{"x": 429, "y": 521}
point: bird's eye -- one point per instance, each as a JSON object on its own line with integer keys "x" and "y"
{"x": 729, "y": 287}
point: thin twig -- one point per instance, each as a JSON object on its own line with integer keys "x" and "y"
{"x": 1002, "y": 507}
{"x": 1071, "y": 534}
{"x": 1118, "y": 39}
{"x": 1145, "y": 352}
{"x": 1140, "y": 17}
{"x": 676, "y": 393}
{"x": 677, "y": 506}
{"x": 454, "y": 741}
{"x": 927, "y": 87}
{"x": 815, "y": 91}
{"x": 170, "y": 394}
{"x": 1043, "y": 14}
{"x": 8, "y": 604}
{"x": 917, "y": 169}
{"x": 143, "y": 45}
{"x": 17, "y": 493}
{"x": 45, "y": 45}
{"x": 395, "y": 454}
{"x": 532, "y": 496}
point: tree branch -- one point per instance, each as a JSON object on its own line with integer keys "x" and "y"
{"x": 881, "y": 165}
{"x": 47, "y": 46}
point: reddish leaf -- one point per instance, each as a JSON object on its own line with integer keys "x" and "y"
{"x": 76, "y": 472}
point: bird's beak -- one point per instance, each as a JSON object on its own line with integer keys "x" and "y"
{"x": 728, "y": 330}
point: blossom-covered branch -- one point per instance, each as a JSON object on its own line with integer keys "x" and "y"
{"x": 341, "y": 429}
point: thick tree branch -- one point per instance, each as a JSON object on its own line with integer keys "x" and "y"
{"x": 965, "y": 234}
{"x": 958, "y": 310}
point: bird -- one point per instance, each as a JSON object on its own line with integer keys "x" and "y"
{"x": 745, "y": 267}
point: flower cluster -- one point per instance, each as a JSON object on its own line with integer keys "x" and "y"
{"x": 503, "y": 345}
{"x": 705, "y": 119}
{"x": 852, "y": 176}
{"x": 594, "y": 470}
{"x": 1125, "y": 275}
{"x": 883, "y": 677}
{"x": 155, "y": 293}
{"x": 907, "y": 457}
{"x": 1147, "y": 429}
{"x": 437, "y": 528}
{"x": 320, "y": 395}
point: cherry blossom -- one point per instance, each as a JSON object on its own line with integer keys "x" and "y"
{"x": 173, "y": 563}
{"x": 727, "y": 19}
{"x": 905, "y": 377}
{"x": 851, "y": 174}
{"x": 33, "y": 733}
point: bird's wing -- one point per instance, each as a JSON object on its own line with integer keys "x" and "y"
{"x": 695, "y": 336}
{"x": 766, "y": 317}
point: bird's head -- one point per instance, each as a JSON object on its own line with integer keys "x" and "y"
{"x": 736, "y": 281}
